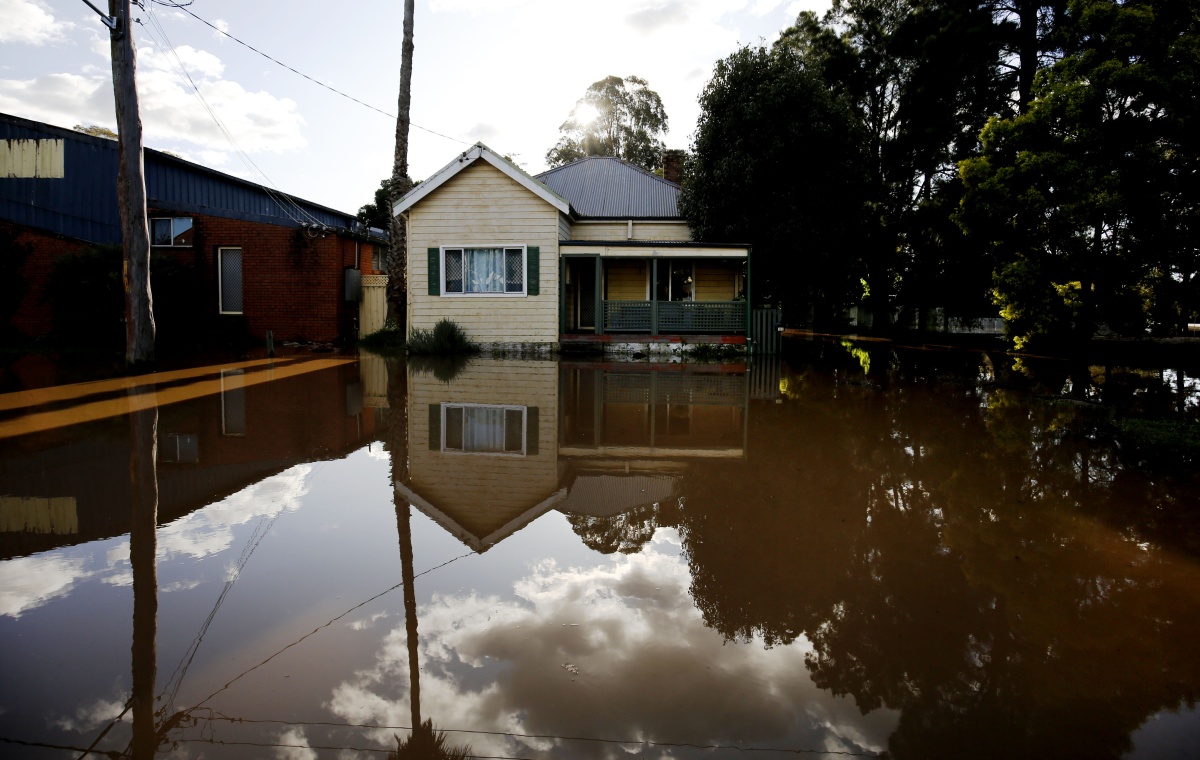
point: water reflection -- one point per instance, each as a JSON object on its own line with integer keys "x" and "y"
{"x": 927, "y": 554}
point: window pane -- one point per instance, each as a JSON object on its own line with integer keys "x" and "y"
{"x": 484, "y": 270}
{"x": 514, "y": 270}
{"x": 160, "y": 232}
{"x": 182, "y": 229}
{"x": 483, "y": 429}
{"x": 230, "y": 273}
{"x": 454, "y": 428}
{"x": 454, "y": 271}
{"x": 514, "y": 430}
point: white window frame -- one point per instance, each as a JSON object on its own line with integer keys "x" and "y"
{"x": 495, "y": 294}
{"x": 220, "y": 288}
{"x": 172, "y": 220}
{"x": 507, "y": 408}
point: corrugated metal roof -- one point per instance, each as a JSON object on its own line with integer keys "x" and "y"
{"x": 83, "y": 204}
{"x": 599, "y": 187}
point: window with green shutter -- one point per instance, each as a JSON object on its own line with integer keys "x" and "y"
{"x": 533, "y": 268}
{"x": 435, "y": 271}
{"x": 483, "y": 271}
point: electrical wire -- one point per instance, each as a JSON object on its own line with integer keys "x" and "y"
{"x": 306, "y": 76}
{"x": 318, "y": 629}
{"x": 281, "y": 199}
{"x": 517, "y": 735}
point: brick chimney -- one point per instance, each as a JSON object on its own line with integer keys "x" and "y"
{"x": 673, "y": 165}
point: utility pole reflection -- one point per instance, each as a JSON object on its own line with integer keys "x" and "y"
{"x": 143, "y": 545}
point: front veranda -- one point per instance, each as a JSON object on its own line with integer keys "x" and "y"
{"x": 675, "y": 295}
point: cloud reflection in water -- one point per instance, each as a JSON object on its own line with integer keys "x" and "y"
{"x": 648, "y": 669}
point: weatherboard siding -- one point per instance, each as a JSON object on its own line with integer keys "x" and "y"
{"x": 715, "y": 282}
{"x": 642, "y": 230}
{"x": 484, "y": 492}
{"x": 481, "y": 206}
{"x": 627, "y": 281}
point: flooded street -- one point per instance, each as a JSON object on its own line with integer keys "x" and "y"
{"x": 855, "y": 550}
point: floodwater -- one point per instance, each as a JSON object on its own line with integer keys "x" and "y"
{"x": 856, "y": 551}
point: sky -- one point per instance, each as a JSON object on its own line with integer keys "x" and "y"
{"x": 503, "y": 72}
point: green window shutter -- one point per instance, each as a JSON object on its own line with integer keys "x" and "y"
{"x": 531, "y": 431}
{"x": 533, "y": 267}
{"x": 435, "y": 427}
{"x": 435, "y": 271}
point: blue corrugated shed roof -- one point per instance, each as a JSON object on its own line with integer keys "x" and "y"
{"x": 599, "y": 187}
{"x": 83, "y": 204}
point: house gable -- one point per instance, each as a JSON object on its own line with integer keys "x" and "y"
{"x": 479, "y": 152}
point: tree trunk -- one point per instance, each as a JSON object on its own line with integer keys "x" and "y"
{"x": 397, "y": 258}
{"x": 131, "y": 192}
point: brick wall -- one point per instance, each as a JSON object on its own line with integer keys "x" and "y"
{"x": 33, "y": 315}
{"x": 292, "y": 279}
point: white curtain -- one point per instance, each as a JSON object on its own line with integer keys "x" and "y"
{"x": 483, "y": 429}
{"x": 485, "y": 270}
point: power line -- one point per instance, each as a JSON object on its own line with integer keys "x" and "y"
{"x": 319, "y": 628}
{"x": 516, "y": 735}
{"x": 306, "y": 76}
{"x": 281, "y": 199}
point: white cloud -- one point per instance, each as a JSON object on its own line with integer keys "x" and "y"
{"x": 194, "y": 61}
{"x": 90, "y": 717}
{"x": 170, "y": 109}
{"x": 763, "y": 7}
{"x": 209, "y": 531}
{"x": 64, "y": 99}
{"x": 818, "y": 6}
{"x": 476, "y": 6}
{"x": 29, "y": 582}
{"x": 30, "y": 22}
{"x": 299, "y": 749}
{"x": 617, "y": 650}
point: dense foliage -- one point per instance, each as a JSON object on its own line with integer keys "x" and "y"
{"x": 1035, "y": 158}
{"x": 616, "y": 117}
{"x": 757, "y": 175}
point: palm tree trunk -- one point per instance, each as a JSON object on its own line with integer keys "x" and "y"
{"x": 397, "y": 287}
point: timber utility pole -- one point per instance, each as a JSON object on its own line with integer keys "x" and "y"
{"x": 131, "y": 187}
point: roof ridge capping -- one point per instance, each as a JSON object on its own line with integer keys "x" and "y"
{"x": 465, "y": 159}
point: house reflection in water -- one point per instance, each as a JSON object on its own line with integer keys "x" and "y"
{"x": 607, "y": 444}
{"x": 238, "y": 425}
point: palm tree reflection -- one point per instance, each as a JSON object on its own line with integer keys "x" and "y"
{"x": 424, "y": 743}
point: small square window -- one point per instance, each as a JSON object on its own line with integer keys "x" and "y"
{"x": 171, "y": 232}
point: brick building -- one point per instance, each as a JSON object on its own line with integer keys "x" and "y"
{"x": 255, "y": 259}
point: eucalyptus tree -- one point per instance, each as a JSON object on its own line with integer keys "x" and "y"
{"x": 622, "y": 118}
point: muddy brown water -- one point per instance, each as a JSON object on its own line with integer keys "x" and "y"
{"x": 854, "y": 550}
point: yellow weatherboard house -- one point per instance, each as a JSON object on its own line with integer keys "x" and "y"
{"x": 590, "y": 253}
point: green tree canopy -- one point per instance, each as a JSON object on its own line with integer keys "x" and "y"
{"x": 1088, "y": 197}
{"x": 777, "y": 163}
{"x": 622, "y": 118}
{"x": 96, "y": 130}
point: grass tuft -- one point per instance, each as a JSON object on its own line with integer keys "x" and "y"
{"x": 445, "y": 339}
